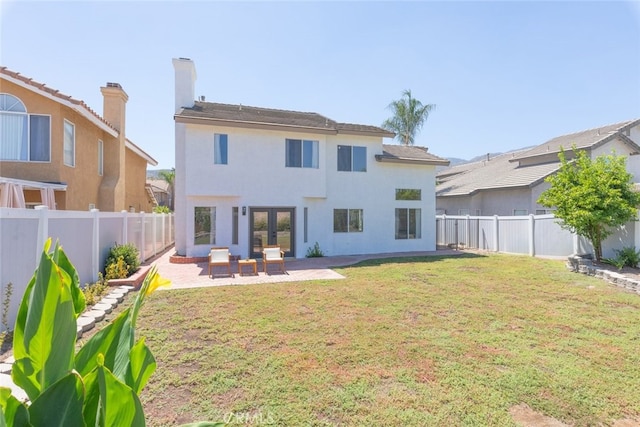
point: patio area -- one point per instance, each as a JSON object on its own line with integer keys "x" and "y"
{"x": 196, "y": 275}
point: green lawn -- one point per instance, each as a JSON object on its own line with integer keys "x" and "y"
{"x": 420, "y": 341}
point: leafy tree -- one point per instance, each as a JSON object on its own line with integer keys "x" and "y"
{"x": 592, "y": 197}
{"x": 169, "y": 177}
{"x": 409, "y": 115}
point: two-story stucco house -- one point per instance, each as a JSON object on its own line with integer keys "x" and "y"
{"x": 247, "y": 177}
{"x": 59, "y": 152}
{"x": 511, "y": 183}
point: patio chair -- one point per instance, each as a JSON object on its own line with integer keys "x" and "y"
{"x": 220, "y": 257}
{"x": 271, "y": 254}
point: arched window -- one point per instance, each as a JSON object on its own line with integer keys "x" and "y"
{"x": 23, "y": 136}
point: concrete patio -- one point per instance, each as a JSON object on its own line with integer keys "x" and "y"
{"x": 196, "y": 275}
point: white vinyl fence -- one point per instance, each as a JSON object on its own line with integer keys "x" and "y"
{"x": 534, "y": 235}
{"x": 86, "y": 237}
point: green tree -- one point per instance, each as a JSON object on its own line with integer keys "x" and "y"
{"x": 169, "y": 177}
{"x": 409, "y": 115}
{"x": 592, "y": 197}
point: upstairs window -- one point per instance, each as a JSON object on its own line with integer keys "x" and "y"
{"x": 69, "y": 144}
{"x": 301, "y": 153}
{"x": 220, "y": 149}
{"x": 25, "y": 137}
{"x": 352, "y": 158}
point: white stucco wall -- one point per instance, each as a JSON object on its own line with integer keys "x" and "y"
{"x": 256, "y": 176}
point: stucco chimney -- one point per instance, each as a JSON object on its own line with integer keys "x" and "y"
{"x": 114, "y": 105}
{"x": 185, "y": 75}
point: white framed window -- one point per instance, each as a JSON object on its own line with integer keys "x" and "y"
{"x": 220, "y": 149}
{"x": 348, "y": 220}
{"x": 408, "y": 223}
{"x": 69, "y": 144}
{"x": 100, "y": 157}
{"x": 463, "y": 211}
{"x": 301, "y": 153}
{"x": 204, "y": 225}
{"x": 25, "y": 137}
{"x": 543, "y": 211}
{"x": 352, "y": 158}
{"x": 520, "y": 212}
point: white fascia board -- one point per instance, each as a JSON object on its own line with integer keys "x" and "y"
{"x": 33, "y": 184}
{"x": 133, "y": 147}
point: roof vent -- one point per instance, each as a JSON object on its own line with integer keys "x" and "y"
{"x": 201, "y": 98}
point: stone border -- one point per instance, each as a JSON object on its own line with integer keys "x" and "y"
{"x": 584, "y": 264}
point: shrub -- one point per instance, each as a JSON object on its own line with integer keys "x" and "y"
{"x": 129, "y": 254}
{"x": 92, "y": 292}
{"x": 627, "y": 257}
{"x": 315, "y": 251}
{"x": 117, "y": 270}
{"x": 161, "y": 209}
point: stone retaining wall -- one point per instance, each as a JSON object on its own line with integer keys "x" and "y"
{"x": 584, "y": 264}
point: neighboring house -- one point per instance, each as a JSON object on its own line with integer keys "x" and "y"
{"x": 511, "y": 183}
{"x": 55, "y": 146}
{"x": 247, "y": 177}
{"x": 161, "y": 191}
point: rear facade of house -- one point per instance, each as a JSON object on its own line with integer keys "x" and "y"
{"x": 247, "y": 177}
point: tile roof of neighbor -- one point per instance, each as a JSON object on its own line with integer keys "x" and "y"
{"x": 409, "y": 154}
{"x": 55, "y": 93}
{"x": 583, "y": 139}
{"x": 497, "y": 172}
{"x": 80, "y": 104}
{"x": 243, "y": 114}
{"x": 504, "y": 170}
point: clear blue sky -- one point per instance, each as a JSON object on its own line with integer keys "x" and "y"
{"x": 503, "y": 75}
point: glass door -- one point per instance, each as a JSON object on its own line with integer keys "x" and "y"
{"x": 271, "y": 226}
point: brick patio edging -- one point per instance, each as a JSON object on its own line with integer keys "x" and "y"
{"x": 584, "y": 264}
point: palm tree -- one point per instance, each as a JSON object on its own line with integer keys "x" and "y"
{"x": 409, "y": 115}
{"x": 169, "y": 177}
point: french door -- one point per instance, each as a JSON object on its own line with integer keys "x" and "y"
{"x": 271, "y": 226}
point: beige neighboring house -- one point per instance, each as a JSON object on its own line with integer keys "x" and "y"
{"x": 55, "y": 150}
{"x": 511, "y": 183}
{"x": 161, "y": 191}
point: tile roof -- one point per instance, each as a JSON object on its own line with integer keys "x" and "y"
{"x": 55, "y": 93}
{"x": 497, "y": 172}
{"x": 243, "y": 115}
{"x": 589, "y": 138}
{"x": 409, "y": 154}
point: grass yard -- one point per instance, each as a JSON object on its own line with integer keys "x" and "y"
{"x": 401, "y": 342}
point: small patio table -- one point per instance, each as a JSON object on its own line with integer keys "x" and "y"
{"x": 250, "y": 262}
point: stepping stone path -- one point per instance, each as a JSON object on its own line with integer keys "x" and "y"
{"x": 86, "y": 321}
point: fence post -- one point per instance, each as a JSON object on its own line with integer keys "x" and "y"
{"x": 142, "y": 237}
{"x": 495, "y": 234}
{"x": 43, "y": 229}
{"x": 125, "y": 224}
{"x": 95, "y": 244}
{"x": 467, "y": 241}
{"x": 444, "y": 229}
{"x": 532, "y": 236}
{"x": 154, "y": 231}
{"x": 170, "y": 227}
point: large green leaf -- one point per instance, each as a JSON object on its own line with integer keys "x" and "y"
{"x": 114, "y": 342}
{"x": 79, "y": 302}
{"x": 119, "y": 404}
{"x": 60, "y": 405}
{"x": 14, "y": 412}
{"x": 143, "y": 365}
{"x": 45, "y": 331}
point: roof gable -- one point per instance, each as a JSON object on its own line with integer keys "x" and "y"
{"x": 586, "y": 139}
{"x": 409, "y": 154}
